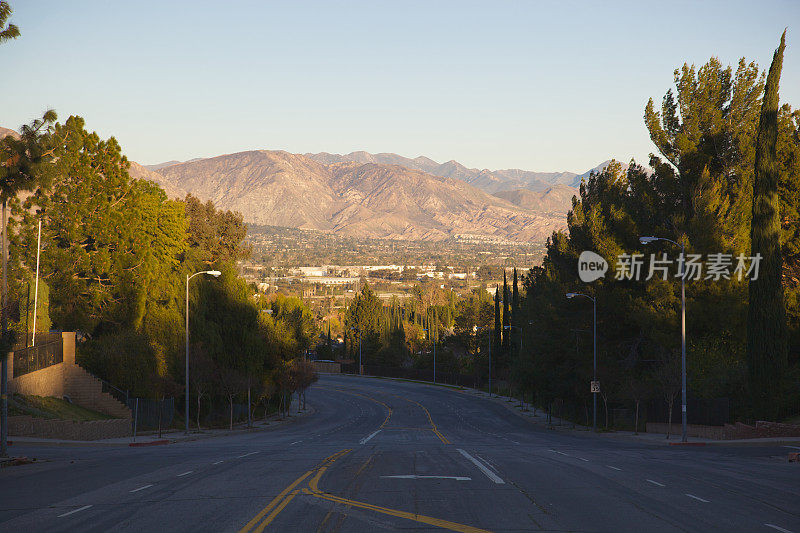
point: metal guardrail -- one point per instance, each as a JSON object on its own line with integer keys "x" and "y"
{"x": 37, "y": 357}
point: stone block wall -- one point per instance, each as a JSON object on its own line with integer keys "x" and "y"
{"x": 26, "y": 426}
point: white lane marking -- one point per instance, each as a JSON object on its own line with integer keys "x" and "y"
{"x": 794, "y": 448}
{"x": 697, "y": 498}
{"x": 656, "y": 483}
{"x": 491, "y": 475}
{"x": 185, "y": 473}
{"x": 366, "y": 439}
{"x": 245, "y": 455}
{"x": 779, "y": 528}
{"x": 488, "y": 463}
{"x": 414, "y": 476}
{"x": 142, "y": 488}
{"x": 218, "y": 462}
{"x": 79, "y": 509}
{"x": 582, "y": 459}
{"x": 613, "y": 467}
{"x": 295, "y": 442}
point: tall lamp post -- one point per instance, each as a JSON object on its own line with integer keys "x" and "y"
{"x": 216, "y": 274}
{"x": 648, "y": 240}
{"x": 594, "y": 363}
{"x": 434, "y": 351}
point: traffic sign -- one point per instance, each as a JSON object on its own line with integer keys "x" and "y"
{"x": 595, "y": 386}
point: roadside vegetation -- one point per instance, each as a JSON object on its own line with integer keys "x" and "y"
{"x": 52, "y": 408}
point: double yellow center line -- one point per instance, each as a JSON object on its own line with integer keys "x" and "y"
{"x": 256, "y": 525}
{"x": 268, "y": 514}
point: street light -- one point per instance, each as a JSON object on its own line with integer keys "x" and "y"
{"x": 648, "y": 240}
{"x": 571, "y": 295}
{"x": 216, "y": 274}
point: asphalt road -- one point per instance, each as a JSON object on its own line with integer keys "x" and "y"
{"x": 384, "y": 455}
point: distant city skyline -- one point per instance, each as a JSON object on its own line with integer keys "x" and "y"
{"x": 539, "y": 86}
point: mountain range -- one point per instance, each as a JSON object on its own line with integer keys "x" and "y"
{"x": 488, "y": 180}
{"x": 374, "y": 195}
{"x": 351, "y": 198}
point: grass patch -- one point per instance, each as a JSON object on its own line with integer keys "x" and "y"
{"x": 52, "y": 408}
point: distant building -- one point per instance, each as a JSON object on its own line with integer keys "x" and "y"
{"x": 327, "y": 280}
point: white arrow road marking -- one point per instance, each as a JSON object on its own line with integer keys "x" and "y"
{"x": 79, "y": 509}
{"x": 491, "y": 475}
{"x": 414, "y": 476}
{"x": 366, "y": 439}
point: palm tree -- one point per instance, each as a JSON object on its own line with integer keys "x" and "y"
{"x": 7, "y": 31}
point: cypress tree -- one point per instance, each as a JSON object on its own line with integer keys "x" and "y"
{"x": 498, "y": 327}
{"x": 506, "y": 322}
{"x": 516, "y": 319}
{"x": 766, "y": 316}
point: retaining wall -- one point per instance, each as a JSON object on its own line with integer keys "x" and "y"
{"x": 26, "y": 426}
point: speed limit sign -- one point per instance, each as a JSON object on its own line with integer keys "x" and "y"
{"x": 595, "y": 386}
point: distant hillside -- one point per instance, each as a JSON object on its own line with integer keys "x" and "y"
{"x": 5, "y": 132}
{"x": 140, "y": 172}
{"x": 556, "y": 199}
{"x": 361, "y": 198}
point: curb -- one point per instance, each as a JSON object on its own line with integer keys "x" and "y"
{"x": 687, "y": 443}
{"x": 151, "y": 443}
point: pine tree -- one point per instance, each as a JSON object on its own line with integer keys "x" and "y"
{"x": 7, "y": 31}
{"x": 766, "y": 320}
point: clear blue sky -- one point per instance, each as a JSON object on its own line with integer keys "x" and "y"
{"x": 545, "y": 86}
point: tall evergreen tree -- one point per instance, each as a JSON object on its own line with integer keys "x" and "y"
{"x": 766, "y": 318}
{"x": 497, "y": 342}
{"x": 506, "y": 324}
{"x": 7, "y": 31}
{"x": 516, "y": 319}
